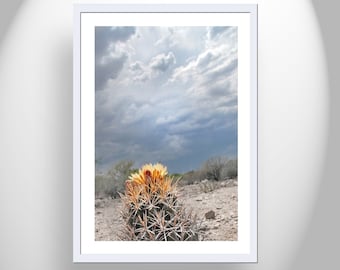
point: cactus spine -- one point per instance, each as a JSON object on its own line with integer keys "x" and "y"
{"x": 151, "y": 208}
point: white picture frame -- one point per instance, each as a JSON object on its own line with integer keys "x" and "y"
{"x": 85, "y": 248}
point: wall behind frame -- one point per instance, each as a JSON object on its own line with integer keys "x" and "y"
{"x": 298, "y": 133}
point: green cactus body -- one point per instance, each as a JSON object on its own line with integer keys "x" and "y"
{"x": 152, "y": 211}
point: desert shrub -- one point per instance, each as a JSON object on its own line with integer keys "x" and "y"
{"x": 190, "y": 178}
{"x": 176, "y": 175}
{"x": 230, "y": 169}
{"x": 102, "y": 185}
{"x": 113, "y": 182}
{"x": 219, "y": 168}
{"x": 152, "y": 211}
{"x": 118, "y": 174}
{"x": 134, "y": 170}
{"x": 212, "y": 168}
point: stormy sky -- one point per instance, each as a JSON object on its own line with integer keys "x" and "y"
{"x": 165, "y": 94}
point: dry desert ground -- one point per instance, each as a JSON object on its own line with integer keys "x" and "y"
{"x": 215, "y": 205}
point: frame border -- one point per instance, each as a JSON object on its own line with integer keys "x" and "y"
{"x": 78, "y": 257}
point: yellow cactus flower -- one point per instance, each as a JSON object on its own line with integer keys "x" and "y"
{"x": 151, "y": 178}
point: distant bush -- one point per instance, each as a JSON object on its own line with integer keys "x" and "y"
{"x": 212, "y": 168}
{"x": 190, "y": 178}
{"x": 102, "y": 185}
{"x": 176, "y": 175}
{"x": 219, "y": 168}
{"x": 114, "y": 181}
{"x": 230, "y": 169}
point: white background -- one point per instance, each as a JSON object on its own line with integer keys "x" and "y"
{"x": 299, "y": 86}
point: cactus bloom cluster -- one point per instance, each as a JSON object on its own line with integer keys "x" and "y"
{"x": 151, "y": 208}
{"x": 150, "y": 180}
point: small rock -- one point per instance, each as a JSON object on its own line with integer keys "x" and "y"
{"x": 205, "y": 228}
{"x": 199, "y": 200}
{"x": 210, "y": 215}
{"x": 219, "y": 207}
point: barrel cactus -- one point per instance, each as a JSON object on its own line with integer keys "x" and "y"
{"x": 152, "y": 211}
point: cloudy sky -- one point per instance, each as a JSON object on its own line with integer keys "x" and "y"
{"x": 165, "y": 94}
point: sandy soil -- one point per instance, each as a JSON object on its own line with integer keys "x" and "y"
{"x": 220, "y": 199}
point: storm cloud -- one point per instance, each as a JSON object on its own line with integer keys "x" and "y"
{"x": 166, "y": 95}
{"x": 109, "y": 59}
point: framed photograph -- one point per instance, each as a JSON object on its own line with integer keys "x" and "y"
{"x": 165, "y": 133}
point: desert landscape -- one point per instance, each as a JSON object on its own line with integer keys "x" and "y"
{"x": 166, "y": 108}
{"x": 213, "y": 202}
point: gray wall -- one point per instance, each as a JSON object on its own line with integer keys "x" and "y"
{"x": 298, "y": 137}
